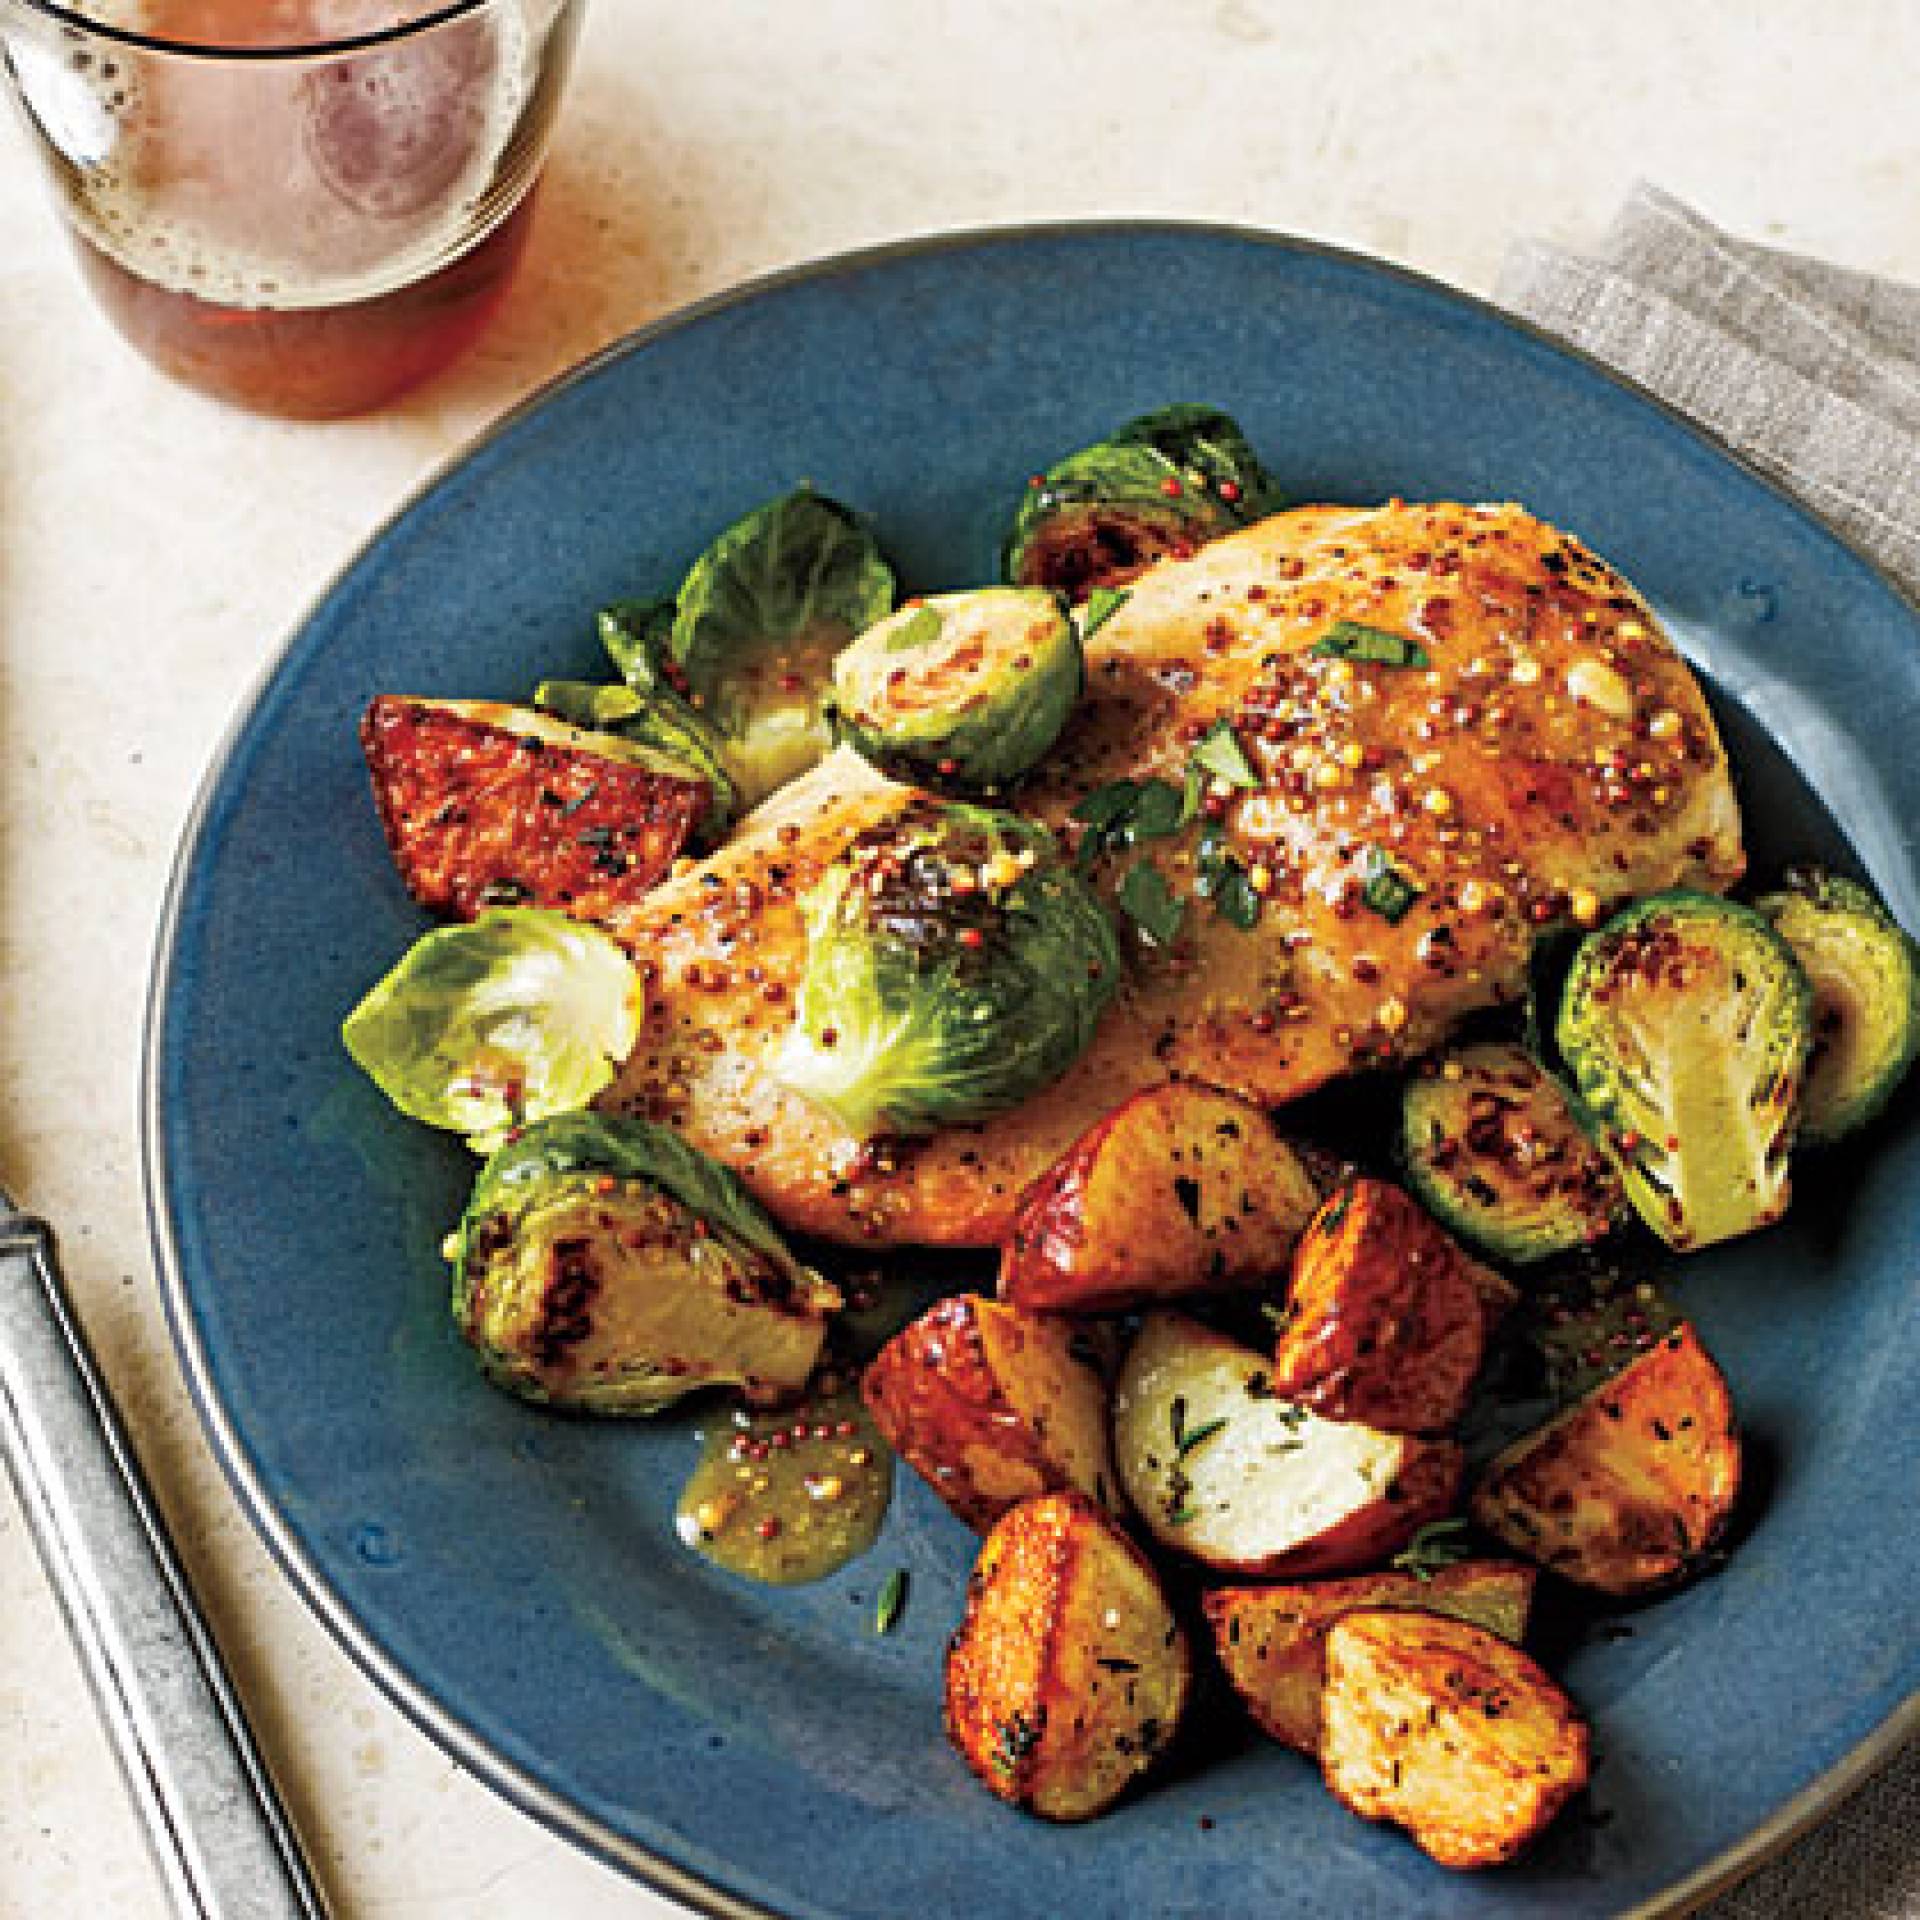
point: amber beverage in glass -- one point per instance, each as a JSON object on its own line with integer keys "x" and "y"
{"x": 304, "y": 207}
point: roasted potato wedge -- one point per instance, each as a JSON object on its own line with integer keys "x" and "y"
{"x": 487, "y": 805}
{"x": 1631, "y": 1485}
{"x": 1180, "y": 1190}
{"x": 1448, "y": 1731}
{"x": 1383, "y": 1321}
{"x": 1270, "y": 1638}
{"x": 990, "y": 1405}
{"x": 1220, "y": 1467}
{"x": 1069, "y": 1673}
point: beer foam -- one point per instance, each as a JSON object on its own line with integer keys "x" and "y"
{"x": 383, "y": 166}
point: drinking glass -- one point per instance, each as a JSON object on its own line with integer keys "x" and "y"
{"x": 300, "y": 206}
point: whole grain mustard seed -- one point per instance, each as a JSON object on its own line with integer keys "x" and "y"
{"x": 1664, "y": 725}
{"x": 1438, "y": 802}
{"x": 1524, "y": 671}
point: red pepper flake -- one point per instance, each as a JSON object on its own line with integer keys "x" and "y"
{"x": 948, "y": 768}
{"x": 1171, "y": 486}
{"x": 1229, "y": 491}
{"x": 972, "y": 938}
{"x": 1036, "y": 481}
{"x": 769, "y": 1528}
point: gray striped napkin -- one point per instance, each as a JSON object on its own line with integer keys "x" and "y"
{"x": 1812, "y": 372}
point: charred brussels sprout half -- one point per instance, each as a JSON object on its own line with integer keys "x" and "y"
{"x": 954, "y": 967}
{"x": 480, "y": 1028}
{"x": 604, "y": 1264}
{"x": 646, "y": 708}
{"x": 1865, "y": 972}
{"x": 1492, "y": 1147}
{"x": 758, "y": 621}
{"x": 1685, "y": 1024}
{"x": 1159, "y": 488}
{"x": 971, "y": 688}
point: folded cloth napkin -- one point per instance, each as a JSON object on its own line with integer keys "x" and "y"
{"x": 1813, "y": 373}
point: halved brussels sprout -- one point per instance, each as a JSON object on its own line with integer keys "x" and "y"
{"x": 1865, "y": 972}
{"x": 759, "y": 619}
{"x": 647, "y": 708}
{"x": 971, "y": 688}
{"x": 483, "y": 1027}
{"x": 604, "y": 1264}
{"x": 1493, "y": 1149}
{"x": 1159, "y": 488}
{"x": 955, "y": 966}
{"x": 1685, "y": 1023}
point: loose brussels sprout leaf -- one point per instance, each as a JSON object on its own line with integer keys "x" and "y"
{"x": 971, "y": 688}
{"x": 1865, "y": 972}
{"x": 954, "y": 967}
{"x": 760, "y": 617}
{"x": 661, "y": 722}
{"x": 483, "y": 1027}
{"x": 638, "y": 637}
{"x": 1685, "y": 1023}
{"x": 1160, "y": 487}
{"x": 604, "y": 1264}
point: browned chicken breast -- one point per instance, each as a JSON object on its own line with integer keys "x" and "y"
{"x": 1465, "y": 729}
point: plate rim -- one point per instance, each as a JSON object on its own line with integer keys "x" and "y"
{"x": 1766, "y": 1840}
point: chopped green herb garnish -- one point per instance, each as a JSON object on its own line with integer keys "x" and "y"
{"x": 1017, "y": 1736}
{"x": 1102, "y": 604}
{"x": 892, "y": 1602}
{"x": 1194, "y": 791}
{"x": 1151, "y": 904}
{"x": 1197, "y": 1436}
{"x": 1183, "y": 1516}
{"x": 1384, "y": 889}
{"x": 1156, "y": 813}
{"x": 1219, "y": 877}
{"x": 1354, "y": 640}
{"x": 1236, "y": 900}
{"x": 919, "y": 629}
{"x": 1221, "y": 755}
{"x": 1105, "y": 806}
{"x": 1441, "y": 1543}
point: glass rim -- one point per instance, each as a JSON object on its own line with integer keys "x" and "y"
{"x": 72, "y": 18}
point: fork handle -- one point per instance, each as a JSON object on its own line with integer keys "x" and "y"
{"x": 220, "y": 1836}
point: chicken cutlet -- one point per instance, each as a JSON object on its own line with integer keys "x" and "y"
{"x": 1452, "y": 729}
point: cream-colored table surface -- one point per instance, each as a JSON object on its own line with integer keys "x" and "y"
{"x": 154, "y": 548}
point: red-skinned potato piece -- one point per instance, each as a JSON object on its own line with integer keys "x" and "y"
{"x": 991, "y": 1404}
{"x": 1182, "y": 1189}
{"x": 486, "y": 805}
{"x": 1219, "y": 1466}
{"x": 1448, "y": 1731}
{"x": 1386, "y": 1317}
{"x": 1627, "y": 1489}
{"x": 1069, "y": 1674}
{"x": 1269, "y": 1638}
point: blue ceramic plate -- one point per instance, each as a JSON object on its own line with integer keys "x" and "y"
{"x": 512, "y": 1578}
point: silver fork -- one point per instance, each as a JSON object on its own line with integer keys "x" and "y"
{"x": 220, "y": 1836}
